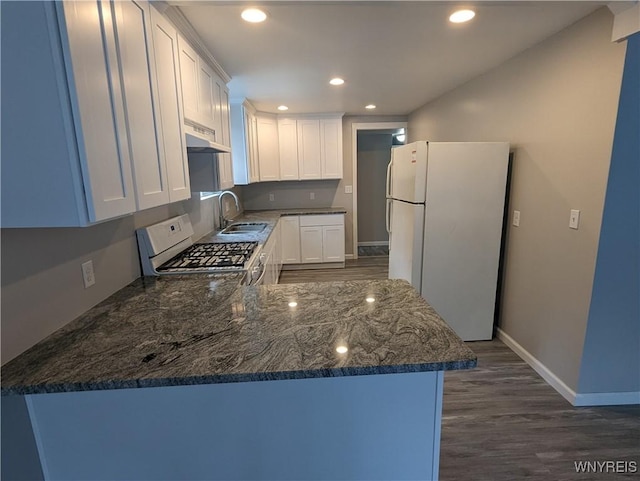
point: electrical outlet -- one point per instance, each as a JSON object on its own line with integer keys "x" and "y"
{"x": 272, "y": 197}
{"x": 348, "y": 189}
{"x": 312, "y": 195}
{"x": 516, "y": 218}
{"x": 226, "y": 207}
{"x": 88, "y": 275}
{"x": 574, "y": 219}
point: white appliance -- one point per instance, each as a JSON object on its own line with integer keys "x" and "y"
{"x": 168, "y": 248}
{"x": 445, "y": 210}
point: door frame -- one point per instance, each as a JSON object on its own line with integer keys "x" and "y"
{"x": 355, "y": 128}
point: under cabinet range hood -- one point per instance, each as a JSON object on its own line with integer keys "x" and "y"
{"x": 200, "y": 139}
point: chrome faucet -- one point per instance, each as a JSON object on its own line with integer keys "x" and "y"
{"x": 222, "y": 219}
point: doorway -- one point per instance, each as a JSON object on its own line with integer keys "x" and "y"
{"x": 372, "y": 143}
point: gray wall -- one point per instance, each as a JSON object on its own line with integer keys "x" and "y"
{"x": 42, "y": 287}
{"x": 611, "y": 358}
{"x": 374, "y": 153}
{"x": 556, "y": 103}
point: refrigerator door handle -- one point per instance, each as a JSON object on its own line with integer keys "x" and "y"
{"x": 388, "y": 216}
{"x": 389, "y": 179}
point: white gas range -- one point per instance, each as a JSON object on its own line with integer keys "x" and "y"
{"x": 168, "y": 248}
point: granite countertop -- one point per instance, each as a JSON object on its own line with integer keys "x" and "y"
{"x": 270, "y": 217}
{"x": 197, "y": 329}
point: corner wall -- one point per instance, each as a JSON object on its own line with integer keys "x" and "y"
{"x": 556, "y": 104}
{"x": 611, "y": 357}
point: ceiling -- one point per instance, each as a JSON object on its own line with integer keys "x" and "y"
{"x": 397, "y": 55}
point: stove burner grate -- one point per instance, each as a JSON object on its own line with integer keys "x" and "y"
{"x": 211, "y": 256}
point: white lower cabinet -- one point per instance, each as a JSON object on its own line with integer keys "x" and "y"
{"x": 313, "y": 239}
{"x": 333, "y": 243}
{"x": 290, "y": 239}
{"x": 311, "y": 244}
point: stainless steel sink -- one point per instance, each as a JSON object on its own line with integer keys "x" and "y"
{"x": 245, "y": 228}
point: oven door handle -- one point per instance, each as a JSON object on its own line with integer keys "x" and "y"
{"x": 259, "y": 279}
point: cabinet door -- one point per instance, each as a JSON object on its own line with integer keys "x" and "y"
{"x": 331, "y": 148}
{"x": 135, "y": 47}
{"x": 290, "y": 239}
{"x": 165, "y": 42}
{"x": 225, "y": 162}
{"x": 333, "y": 243}
{"x": 288, "y": 143}
{"x": 309, "y": 149}
{"x": 254, "y": 168}
{"x": 311, "y": 244}
{"x": 208, "y": 103}
{"x": 188, "y": 61}
{"x": 98, "y": 108}
{"x": 267, "y": 145}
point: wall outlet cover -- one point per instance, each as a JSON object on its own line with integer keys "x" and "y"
{"x": 88, "y": 276}
{"x": 516, "y": 218}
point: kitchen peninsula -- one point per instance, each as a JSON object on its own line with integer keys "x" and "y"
{"x": 160, "y": 381}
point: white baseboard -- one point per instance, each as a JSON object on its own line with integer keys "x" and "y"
{"x": 348, "y": 256}
{"x": 373, "y": 243}
{"x": 576, "y": 399}
{"x": 554, "y": 381}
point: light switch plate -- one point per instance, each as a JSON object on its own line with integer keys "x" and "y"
{"x": 348, "y": 189}
{"x": 574, "y": 219}
{"x": 312, "y": 195}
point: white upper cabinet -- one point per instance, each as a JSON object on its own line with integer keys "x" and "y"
{"x": 146, "y": 139}
{"x": 98, "y": 107}
{"x": 275, "y": 148}
{"x": 108, "y": 142}
{"x": 165, "y": 40}
{"x": 208, "y": 104}
{"x": 243, "y": 143}
{"x": 203, "y": 93}
{"x": 288, "y": 146}
{"x": 331, "y": 148}
{"x": 189, "y": 78}
{"x": 267, "y": 147}
{"x": 225, "y": 163}
{"x": 309, "y": 145}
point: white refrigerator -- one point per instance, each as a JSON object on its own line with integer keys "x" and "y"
{"x": 445, "y": 210}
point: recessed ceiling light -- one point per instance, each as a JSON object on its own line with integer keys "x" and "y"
{"x": 370, "y": 107}
{"x": 283, "y": 107}
{"x": 253, "y": 15}
{"x": 341, "y": 349}
{"x": 370, "y": 299}
{"x": 462, "y": 16}
{"x": 336, "y": 81}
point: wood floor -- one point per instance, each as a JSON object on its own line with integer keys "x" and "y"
{"x": 361, "y": 269}
{"x": 502, "y": 422}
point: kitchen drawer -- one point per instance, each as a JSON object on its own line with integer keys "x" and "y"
{"x": 326, "y": 219}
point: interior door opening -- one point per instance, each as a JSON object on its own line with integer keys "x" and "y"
{"x": 373, "y": 153}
